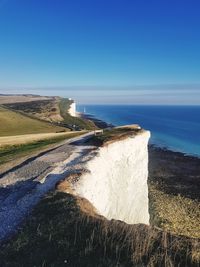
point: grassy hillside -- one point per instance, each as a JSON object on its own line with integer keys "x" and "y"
{"x": 14, "y": 123}
{"x": 45, "y": 109}
{"x": 53, "y": 110}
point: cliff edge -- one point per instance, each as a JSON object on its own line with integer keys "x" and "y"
{"x": 72, "y": 108}
{"x": 114, "y": 179}
{"x": 117, "y": 180}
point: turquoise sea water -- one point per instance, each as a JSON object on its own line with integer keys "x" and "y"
{"x": 174, "y": 127}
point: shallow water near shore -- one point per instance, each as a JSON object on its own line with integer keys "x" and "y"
{"x": 174, "y": 127}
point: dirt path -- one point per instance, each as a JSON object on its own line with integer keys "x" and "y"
{"x": 23, "y": 187}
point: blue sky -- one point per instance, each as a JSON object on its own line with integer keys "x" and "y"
{"x": 102, "y": 51}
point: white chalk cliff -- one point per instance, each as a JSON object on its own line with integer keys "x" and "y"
{"x": 72, "y": 109}
{"x": 116, "y": 183}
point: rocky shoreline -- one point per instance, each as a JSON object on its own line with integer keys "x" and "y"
{"x": 99, "y": 123}
{"x": 179, "y": 172}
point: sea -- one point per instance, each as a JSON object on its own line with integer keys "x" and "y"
{"x": 176, "y": 128}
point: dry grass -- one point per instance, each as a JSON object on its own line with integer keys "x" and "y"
{"x": 85, "y": 206}
{"x": 64, "y": 186}
{"x": 66, "y": 231}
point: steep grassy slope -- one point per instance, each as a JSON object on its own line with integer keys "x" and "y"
{"x": 13, "y": 123}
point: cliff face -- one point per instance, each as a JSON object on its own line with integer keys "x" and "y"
{"x": 72, "y": 109}
{"x": 116, "y": 183}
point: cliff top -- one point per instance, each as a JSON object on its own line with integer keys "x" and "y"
{"x": 115, "y": 134}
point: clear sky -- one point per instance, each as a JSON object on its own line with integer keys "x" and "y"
{"x": 102, "y": 51}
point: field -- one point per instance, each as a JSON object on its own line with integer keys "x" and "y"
{"x": 14, "y": 123}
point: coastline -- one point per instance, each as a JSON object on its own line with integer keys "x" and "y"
{"x": 169, "y": 127}
{"x": 103, "y": 124}
{"x": 99, "y": 123}
{"x": 183, "y": 167}
{"x": 173, "y": 182}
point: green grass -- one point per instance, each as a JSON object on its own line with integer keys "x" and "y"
{"x": 59, "y": 233}
{"x": 14, "y": 123}
{"x": 68, "y": 119}
{"x": 10, "y": 153}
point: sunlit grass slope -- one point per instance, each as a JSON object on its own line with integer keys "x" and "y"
{"x": 13, "y": 123}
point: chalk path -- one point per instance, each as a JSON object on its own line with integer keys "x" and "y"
{"x": 22, "y": 188}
